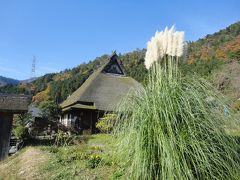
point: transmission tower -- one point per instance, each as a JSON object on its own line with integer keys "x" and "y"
{"x": 33, "y": 72}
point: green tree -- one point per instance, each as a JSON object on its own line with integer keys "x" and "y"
{"x": 49, "y": 110}
{"x": 20, "y": 130}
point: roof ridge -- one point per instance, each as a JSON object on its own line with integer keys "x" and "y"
{"x": 114, "y": 59}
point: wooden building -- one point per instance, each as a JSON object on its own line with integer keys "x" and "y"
{"x": 100, "y": 93}
{"x": 9, "y": 105}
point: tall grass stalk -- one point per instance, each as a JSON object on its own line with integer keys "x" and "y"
{"x": 174, "y": 129}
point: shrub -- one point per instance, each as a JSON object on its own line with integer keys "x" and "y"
{"x": 105, "y": 124}
{"x": 20, "y": 130}
{"x": 93, "y": 161}
{"x": 49, "y": 110}
{"x": 62, "y": 139}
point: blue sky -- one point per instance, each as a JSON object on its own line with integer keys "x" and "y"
{"x": 65, "y": 33}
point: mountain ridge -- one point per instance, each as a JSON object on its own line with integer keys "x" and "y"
{"x": 5, "y": 81}
{"x": 10, "y": 81}
{"x": 204, "y": 56}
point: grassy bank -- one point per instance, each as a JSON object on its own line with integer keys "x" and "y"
{"x": 91, "y": 159}
{"x": 26, "y": 164}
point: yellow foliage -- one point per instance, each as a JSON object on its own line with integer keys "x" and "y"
{"x": 106, "y": 123}
{"x": 42, "y": 96}
{"x": 220, "y": 54}
{"x": 233, "y": 45}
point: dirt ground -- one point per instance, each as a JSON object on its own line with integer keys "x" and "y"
{"x": 24, "y": 166}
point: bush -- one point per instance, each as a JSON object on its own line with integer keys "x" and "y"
{"x": 20, "y": 130}
{"x": 105, "y": 124}
{"x": 63, "y": 139}
{"x": 49, "y": 110}
{"x": 93, "y": 161}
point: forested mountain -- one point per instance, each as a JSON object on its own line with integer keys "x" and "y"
{"x": 205, "y": 57}
{"x": 4, "y": 81}
{"x": 57, "y": 86}
{"x": 222, "y": 45}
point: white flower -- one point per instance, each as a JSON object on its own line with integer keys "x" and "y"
{"x": 168, "y": 42}
{"x": 180, "y": 45}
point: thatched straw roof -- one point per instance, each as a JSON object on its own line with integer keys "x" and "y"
{"x": 14, "y": 103}
{"x": 105, "y": 88}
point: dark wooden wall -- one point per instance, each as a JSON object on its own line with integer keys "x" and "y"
{"x": 87, "y": 119}
{"x": 5, "y": 133}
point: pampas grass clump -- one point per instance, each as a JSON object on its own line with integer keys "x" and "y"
{"x": 174, "y": 129}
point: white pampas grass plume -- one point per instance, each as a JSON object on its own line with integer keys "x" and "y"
{"x": 180, "y": 44}
{"x": 164, "y": 41}
{"x": 174, "y": 44}
{"x": 151, "y": 55}
{"x": 168, "y": 42}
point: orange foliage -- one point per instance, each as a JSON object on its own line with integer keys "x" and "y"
{"x": 190, "y": 60}
{"x": 220, "y": 54}
{"x": 42, "y": 96}
{"x": 208, "y": 51}
{"x": 204, "y": 53}
{"x": 234, "y": 45}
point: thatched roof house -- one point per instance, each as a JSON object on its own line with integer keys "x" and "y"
{"x": 101, "y": 92}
